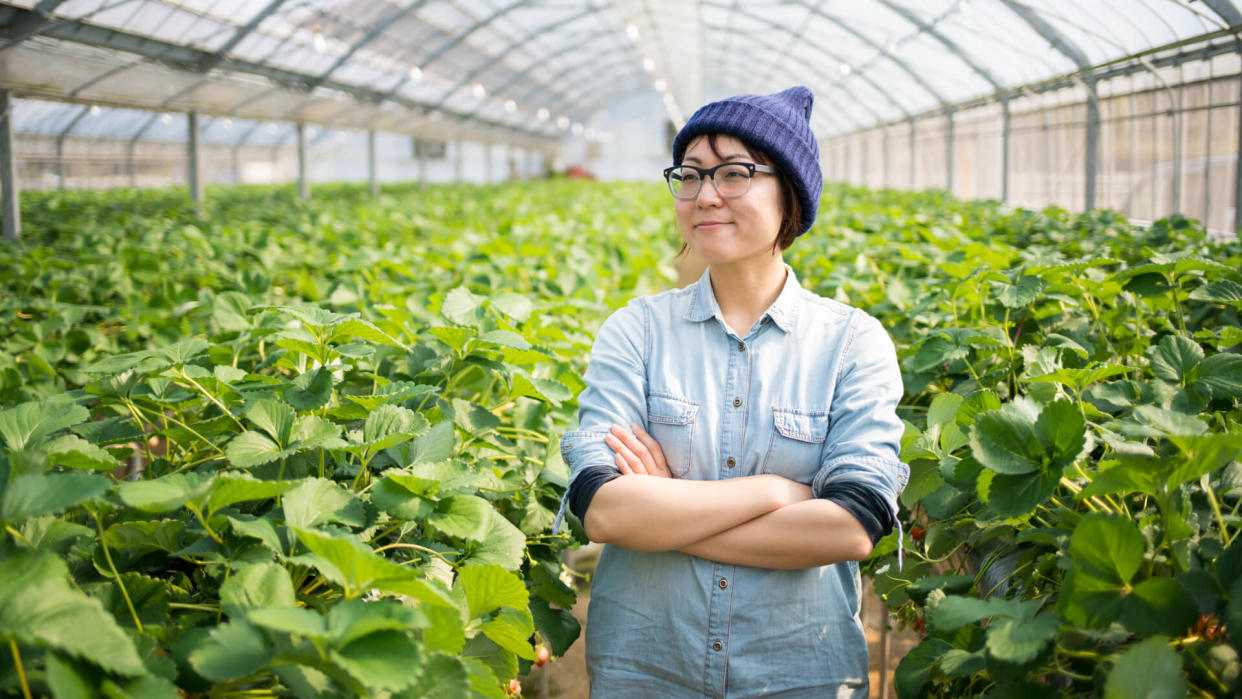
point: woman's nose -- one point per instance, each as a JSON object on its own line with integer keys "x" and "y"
{"x": 709, "y": 192}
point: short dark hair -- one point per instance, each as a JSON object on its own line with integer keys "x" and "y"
{"x": 791, "y": 207}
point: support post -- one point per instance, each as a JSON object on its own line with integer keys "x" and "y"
{"x": 372, "y": 166}
{"x": 420, "y": 150}
{"x": 60, "y": 161}
{"x": 303, "y": 183}
{"x": 457, "y": 161}
{"x": 884, "y": 181}
{"x": 133, "y": 167}
{"x": 195, "y": 180}
{"x": 1093, "y": 142}
{"x": 913, "y": 164}
{"x": 1005, "y": 143}
{"x": 487, "y": 163}
{"x": 1237, "y": 170}
{"x": 11, "y": 212}
{"x": 948, "y": 151}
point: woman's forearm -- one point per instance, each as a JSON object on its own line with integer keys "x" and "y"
{"x": 649, "y": 513}
{"x": 805, "y": 534}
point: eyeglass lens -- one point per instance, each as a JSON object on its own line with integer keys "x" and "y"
{"x": 730, "y": 181}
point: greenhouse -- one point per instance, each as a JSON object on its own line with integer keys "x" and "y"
{"x": 311, "y": 311}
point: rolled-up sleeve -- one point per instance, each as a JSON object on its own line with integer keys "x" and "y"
{"x": 861, "y": 467}
{"x": 616, "y": 391}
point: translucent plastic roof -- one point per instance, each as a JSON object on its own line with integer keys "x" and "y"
{"x": 525, "y": 70}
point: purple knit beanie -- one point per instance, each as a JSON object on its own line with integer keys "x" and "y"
{"x": 779, "y": 125}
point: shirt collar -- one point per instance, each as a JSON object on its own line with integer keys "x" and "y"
{"x": 783, "y": 311}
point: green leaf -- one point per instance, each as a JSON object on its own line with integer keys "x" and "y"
{"x": 956, "y": 611}
{"x": 1159, "y": 606}
{"x": 310, "y": 390}
{"x": 511, "y": 630}
{"x": 1222, "y": 373}
{"x": 463, "y": 516}
{"x": 960, "y": 663}
{"x": 503, "y": 338}
{"x": 164, "y": 494}
{"x": 559, "y": 626}
{"x": 434, "y": 446}
{"x": 490, "y": 587}
{"x": 38, "y": 607}
{"x": 1063, "y": 432}
{"x": 912, "y": 671}
{"x": 274, "y": 418}
{"x": 1017, "y": 496}
{"x": 181, "y": 352}
{"x": 944, "y": 408}
{"x": 27, "y": 424}
{"x": 444, "y": 677}
{"x": 1020, "y": 640}
{"x": 1022, "y": 292}
{"x": 298, "y": 621}
{"x": 1005, "y": 441}
{"x": 399, "y": 502}
{"x": 1203, "y": 454}
{"x": 503, "y": 545}
{"x": 387, "y": 660}
{"x": 516, "y": 306}
{"x": 69, "y": 679}
{"x": 1149, "y": 670}
{"x": 1107, "y": 547}
{"x": 350, "y": 620}
{"x": 460, "y": 306}
{"x": 37, "y": 494}
{"x": 936, "y": 351}
{"x": 73, "y": 451}
{"x": 314, "y": 501}
{"x": 1173, "y": 357}
{"x": 260, "y": 529}
{"x": 250, "y": 449}
{"x": 349, "y": 563}
{"x": 363, "y": 330}
{"x": 255, "y": 586}
{"x": 149, "y": 597}
{"x": 231, "y": 651}
{"x": 231, "y": 488}
{"x": 389, "y": 425}
{"x": 457, "y": 338}
{"x": 1088, "y": 601}
{"x": 1224, "y": 291}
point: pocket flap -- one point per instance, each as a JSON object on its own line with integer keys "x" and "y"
{"x": 802, "y": 425}
{"x": 668, "y": 410}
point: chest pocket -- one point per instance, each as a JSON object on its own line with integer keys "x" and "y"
{"x": 797, "y": 443}
{"x": 671, "y": 422}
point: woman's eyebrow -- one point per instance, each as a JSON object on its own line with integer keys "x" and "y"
{"x": 724, "y": 158}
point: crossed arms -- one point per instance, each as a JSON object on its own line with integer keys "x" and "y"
{"x": 765, "y": 521}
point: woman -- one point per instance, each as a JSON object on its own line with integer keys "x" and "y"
{"x": 738, "y": 450}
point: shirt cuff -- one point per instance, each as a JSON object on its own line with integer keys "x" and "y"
{"x": 865, "y": 505}
{"x": 582, "y": 490}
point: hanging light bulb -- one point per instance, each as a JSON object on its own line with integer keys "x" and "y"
{"x": 510, "y": 106}
{"x": 661, "y": 85}
{"x": 543, "y": 114}
{"x": 845, "y": 69}
{"x": 271, "y": 128}
{"x": 631, "y": 30}
{"x": 165, "y": 119}
{"x": 227, "y": 123}
{"x": 318, "y": 42}
{"x": 478, "y": 90}
{"x": 416, "y": 73}
{"x": 95, "y": 110}
{"x": 562, "y": 122}
{"x": 649, "y": 65}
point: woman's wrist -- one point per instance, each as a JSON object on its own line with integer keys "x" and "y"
{"x": 784, "y": 491}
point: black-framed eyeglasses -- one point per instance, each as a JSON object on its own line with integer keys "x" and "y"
{"x": 730, "y": 179}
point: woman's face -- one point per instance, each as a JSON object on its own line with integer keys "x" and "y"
{"x": 738, "y": 229}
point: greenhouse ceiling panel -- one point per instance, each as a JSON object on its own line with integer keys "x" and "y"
{"x": 523, "y": 71}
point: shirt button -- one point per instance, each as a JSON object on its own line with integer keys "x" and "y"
{"x": 717, "y": 646}
{"x": 731, "y": 462}
{"x": 723, "y": 583}
{"x": 737, "y": 402}
{"x": 741, "y": 346}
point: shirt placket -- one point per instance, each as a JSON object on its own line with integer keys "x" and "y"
{"x": 732, "y": 435}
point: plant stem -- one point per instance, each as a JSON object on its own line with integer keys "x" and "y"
{"x": 112, "y": 566}
{"x": 1206, "y": 484}
{"x": 210, "y": 397}
{"x": 21, "y": 673}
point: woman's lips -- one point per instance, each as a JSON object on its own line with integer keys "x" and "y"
{"x": 711, "y": 224}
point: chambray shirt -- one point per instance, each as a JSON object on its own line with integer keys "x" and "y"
{"x": 809, "y": 392}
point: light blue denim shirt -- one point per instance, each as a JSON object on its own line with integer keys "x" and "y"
{"x": 810, "y": 393}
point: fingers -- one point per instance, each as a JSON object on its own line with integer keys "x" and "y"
{"x": 627, "y": 460}
{"x": 659, "y": 465}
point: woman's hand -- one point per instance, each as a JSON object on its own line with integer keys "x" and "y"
{"x": 637, "y": 452}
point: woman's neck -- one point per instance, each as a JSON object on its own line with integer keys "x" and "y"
{"x": 745, "y": 291}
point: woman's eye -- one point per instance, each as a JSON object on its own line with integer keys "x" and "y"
{"x": 690, "y": 177}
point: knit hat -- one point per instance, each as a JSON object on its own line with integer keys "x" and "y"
{"x": 779, "y": 125}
